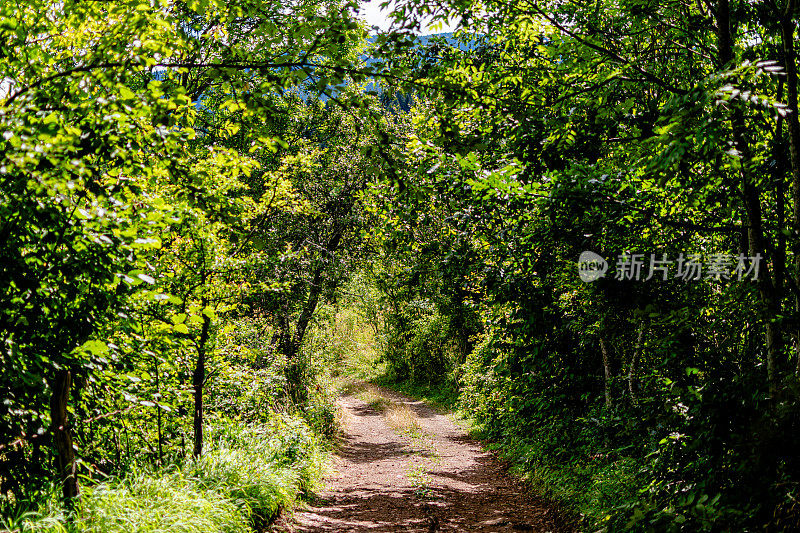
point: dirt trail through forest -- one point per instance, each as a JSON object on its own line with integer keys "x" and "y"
{"x": 404, "y": 467}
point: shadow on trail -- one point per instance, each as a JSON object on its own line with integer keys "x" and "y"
{"x": 365, "y": 410}
{"x": 461, "y": 487}
{"x": 366, "y": 452}
{"x": 440, "y": 509}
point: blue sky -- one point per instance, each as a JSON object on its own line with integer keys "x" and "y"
{"x": 372, "y": 13}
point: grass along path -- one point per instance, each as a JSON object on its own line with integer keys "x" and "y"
{"x": 403, "y": 466}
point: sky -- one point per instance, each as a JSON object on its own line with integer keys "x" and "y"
{"x": 372, "y": 13}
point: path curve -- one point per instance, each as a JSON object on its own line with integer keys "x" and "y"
{"x": 424, "y": 478}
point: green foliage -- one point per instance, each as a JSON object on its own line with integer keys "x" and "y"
{"x": 425, "y": 353}
{"x": 249, "y": 383}
{"x": 163, "y": 503}
{"x": 261, "y": 468}
{"x": 544, "y": 129}
{"x": 203, "y": 214}
{"x": 157, "y": 184}
{"x": 247, "y": 476}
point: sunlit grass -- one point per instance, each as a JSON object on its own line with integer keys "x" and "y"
{"x": 369, "y": 394}
{"x": 402, "y": 417}
{"x": 246, "y": 476}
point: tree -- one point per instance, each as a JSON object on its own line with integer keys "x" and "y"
{"x": 625, "y": 128}
{"x": 100, "y": 105}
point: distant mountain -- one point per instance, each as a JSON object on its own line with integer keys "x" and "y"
{"x": 404, "y": 101}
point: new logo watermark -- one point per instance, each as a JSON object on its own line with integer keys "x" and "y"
{"x": 591, "y": 266}
{"x": 691, "y": 267}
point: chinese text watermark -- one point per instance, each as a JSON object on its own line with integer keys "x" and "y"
{"x": 689, "y": 267}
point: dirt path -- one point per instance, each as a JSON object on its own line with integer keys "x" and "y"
{"x": 404, "y": 467}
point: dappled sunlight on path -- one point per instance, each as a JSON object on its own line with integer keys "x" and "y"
{"x": 426, "y": 476}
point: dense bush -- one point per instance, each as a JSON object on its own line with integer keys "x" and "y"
{"x": 424, "y": 352}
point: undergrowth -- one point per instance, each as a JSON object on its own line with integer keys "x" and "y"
{"x": 441, "y": 396}
{"x": 589, "y": 487}
{"x": 247, "y": 475}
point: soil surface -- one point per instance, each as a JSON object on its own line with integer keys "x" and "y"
{"x": 402, "y": 466}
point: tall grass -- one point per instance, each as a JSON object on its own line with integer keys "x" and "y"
{"x": 155, "y": 504}
{"x": 261, "y": 469}
{"x": 247, "y": 475}
{"x": 143, "y": 503}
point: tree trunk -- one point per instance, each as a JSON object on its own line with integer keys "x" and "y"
{"x": 607, "y": 372}
{"x": 316, "y": 290}
{"x": 634, "y": 356}
{"x": 310, "y": 306}
{"x": 198, "y": 380}
{"x": 293, "y": 343}
{"x": 790, "y": 66}
{"x": 158, "y": 412}
{"x": 752, "y": 205}
{"x": 62, "y": 437}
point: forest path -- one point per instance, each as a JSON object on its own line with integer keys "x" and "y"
{"x": 402, "y": 466}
